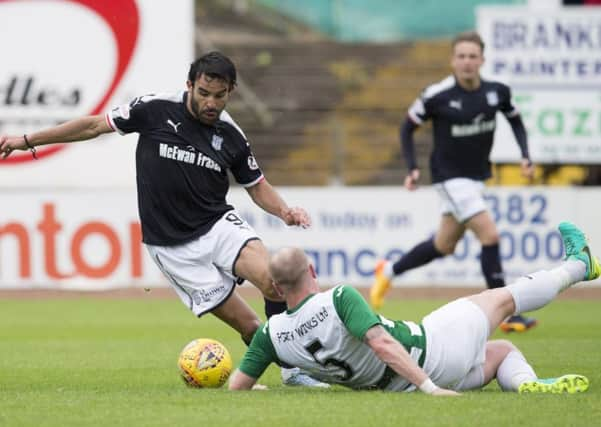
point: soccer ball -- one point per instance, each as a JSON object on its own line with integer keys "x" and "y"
{"x": 205, "y": 363}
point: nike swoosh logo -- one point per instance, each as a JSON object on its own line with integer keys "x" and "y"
{"x": 589, "y": 267}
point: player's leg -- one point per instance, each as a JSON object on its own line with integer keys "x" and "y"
{"x": 496, "y": 352}
{"x": 486, "y": 232}
{"x": 193, "y": 270}
{"x": 485, "y": 229}
{"x": 507, "y": 364}
{"x": 457, "y": 332}
{"x": 236, "y": 313}
{"x": 460, "y": 199}
{"x": 252, "y": 265}
{"x": 538, "y": 289}
{"x": 459, "y": 354}
{"x": 443, "y": 243}
{"x": 240, "y": 253}
{"x": 464, "y": 198}
{"x": 513, "y": 372}
{"x": 450, "y": 231}
{"x": 452, "y": 194}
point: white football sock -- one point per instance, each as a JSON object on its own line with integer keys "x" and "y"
{"x": 538, "y": 289}
{"x": 513, "y": 371}
{"x": 570, "y": 272}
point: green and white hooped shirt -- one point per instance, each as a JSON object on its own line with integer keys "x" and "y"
{"x": 324, "y": 334}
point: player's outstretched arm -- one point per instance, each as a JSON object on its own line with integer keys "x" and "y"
{"x": 240, "y": 381}
{"x": 408, "y": 149}
{"x": 79, "y": 129}
{"x": 519, "y": 131}
{"x": 265, "y": 196}
{"x": 391, "y": 352}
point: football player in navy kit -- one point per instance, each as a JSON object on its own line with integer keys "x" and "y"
{"x": 462, "y": 108}
{"x": 187, "y": 143}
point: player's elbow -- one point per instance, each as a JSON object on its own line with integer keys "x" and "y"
{"x": 383, "y": 346}
{"x": 96, "y": 126}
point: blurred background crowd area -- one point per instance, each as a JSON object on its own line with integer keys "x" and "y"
{"x": 322, "y": 91}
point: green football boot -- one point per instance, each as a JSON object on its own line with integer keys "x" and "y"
{"x": 577, "y": 248}
{"x": 570, "y": 384}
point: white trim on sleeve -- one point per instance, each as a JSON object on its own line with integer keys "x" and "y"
{"x": 415, "y": 118}
{"x": 226, "y": 117}
{"x": 111, "y": 123}
{"x": 252, "y": 183}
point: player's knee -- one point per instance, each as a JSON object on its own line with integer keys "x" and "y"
{"x": 498, "y": 349}
{"x": 271, "y": 293}
{"x": 489, "y": 238}
{"x": 496, "y": 295}
{"x": 505, "y": 346}
{"x": 445, "y": 248}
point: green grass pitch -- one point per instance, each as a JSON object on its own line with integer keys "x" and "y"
{"x": 88, "y": 362}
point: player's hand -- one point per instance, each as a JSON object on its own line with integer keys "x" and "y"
{"x": 411, "y": 180}
{"x": 259, "y": 387}
{"x": 527, "y": 169}
{"x": 10, "y": 143}
{"x": 296, "y": 216}
{"x": 444, "y": 392}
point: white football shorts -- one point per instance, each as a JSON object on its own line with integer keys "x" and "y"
{"x": 202, "y": 271}
{"x": 456, "y": 336}
{"x": 461, "y": 197}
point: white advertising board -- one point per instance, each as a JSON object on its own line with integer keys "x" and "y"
{"x": 551, "y": 58}
{"x": 67, "y": 58}
{"x": 91, "y": 239}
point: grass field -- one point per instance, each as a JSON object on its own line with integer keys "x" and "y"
{"x": 88, "y": 362}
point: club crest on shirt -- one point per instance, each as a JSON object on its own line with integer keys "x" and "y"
{"x": 252, "y": 163}
{"x": 492, "y": 98}
{"x": 455, "y": 103}
{"x": 216, "y": 142}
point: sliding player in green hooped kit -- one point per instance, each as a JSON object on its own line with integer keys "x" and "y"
{"x": 337, "y": 338}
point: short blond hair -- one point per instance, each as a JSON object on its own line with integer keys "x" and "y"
{"x": 468, "y": 36}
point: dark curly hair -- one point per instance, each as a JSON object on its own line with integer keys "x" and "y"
{"x": 214, "y": 65}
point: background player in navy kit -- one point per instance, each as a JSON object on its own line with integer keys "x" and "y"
{"x": 462, "y": 108}
{"x": 187, "y": 144}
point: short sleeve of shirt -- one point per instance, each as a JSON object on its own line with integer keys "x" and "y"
{"x": 419, "y": 110}
{"x": 260, "y": 353}
{"x": 132, "y": 117}
{"x": 354, "y": 311}
{"x": 246, "y": 171}
{"x": 505, "y": 103}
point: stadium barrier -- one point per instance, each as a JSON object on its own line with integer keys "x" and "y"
{"x": 79, "y": 239}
